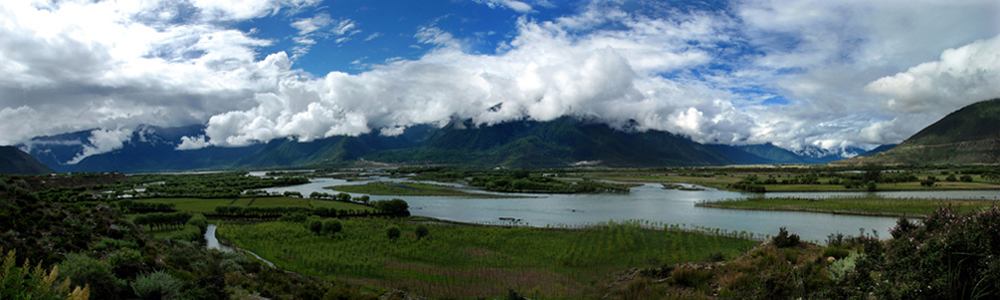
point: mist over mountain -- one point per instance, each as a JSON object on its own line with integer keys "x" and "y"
{"x": 561, "y": 143}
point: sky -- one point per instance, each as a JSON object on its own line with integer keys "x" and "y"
{"x": 799, "y": 74}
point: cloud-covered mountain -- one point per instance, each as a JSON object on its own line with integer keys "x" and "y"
{"x": 798, "y": 74}
{"x": 564, "y": 142}
{"x": 970, "y": 135}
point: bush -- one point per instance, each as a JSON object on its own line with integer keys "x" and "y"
{"x": 200, "y": 221}
{"x": 716, "y": 257}
{"x": 331, "y": 226}
{"x": 392, "y": 232}
{"x": 784, "y": 239}
{"x": 951, "y": 178}
{"x": 91, "y": 272}
{"x": 126, "y": 263}
{"x": 871, "y": 186}
{"x": 157, "y": 285}
{"x": 966, "y": 178}
{"x": 294, "y": 218}
{"x": 421, "y": 231}
{"x": 190, "y": 233}
{"x": 315, "y": 225}
{"x": 26, "y": 283}
{"x": 837, "y": 253}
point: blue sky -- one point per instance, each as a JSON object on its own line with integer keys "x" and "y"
{"x": 803, "y": 75}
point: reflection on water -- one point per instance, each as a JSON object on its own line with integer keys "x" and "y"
{"x": 648, "y": 202}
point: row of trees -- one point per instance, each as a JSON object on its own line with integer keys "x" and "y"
{"x": 172, "y": 220}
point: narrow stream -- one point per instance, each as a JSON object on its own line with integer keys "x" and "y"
{"x": 213, "y": 243}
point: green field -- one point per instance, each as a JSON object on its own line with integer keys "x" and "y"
{"x": 408, "y": 189}
{"x": 456, "y": 261}
{"x": 207, "y": 206}
{"x": 722, "y": 181}
{"x": 860, "y": 206}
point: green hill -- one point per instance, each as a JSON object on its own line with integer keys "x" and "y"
{"x": 970, "y": 135}
{"x": 15, "y": 161}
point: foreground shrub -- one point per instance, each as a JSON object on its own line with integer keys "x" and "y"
{"x": 331, "y": 226}
{"x": 91, "y": 272}
{"x": 157, "y": 285}
{"x": 948, "y": 256}
{"x": 27, "y": 283}
{"x": 784, "y": 239}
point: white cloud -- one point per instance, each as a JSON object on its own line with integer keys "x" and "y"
{"x": 960, "y": 77}
{"x": 852, "y": 72}
{"x": 515, "y": 5}
{"x": 102, "y": 141}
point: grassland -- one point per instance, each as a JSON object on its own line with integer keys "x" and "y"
{"x": 207, "y": 206}
{"x": 409, "y": 189}
{"x": 856, "y": 206}
{"x": 475, "y": 261}
{"x": 723, "y": 180}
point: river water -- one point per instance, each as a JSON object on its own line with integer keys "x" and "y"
{"x": 649, "y": 202}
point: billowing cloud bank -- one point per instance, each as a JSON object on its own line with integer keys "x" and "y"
{"x": 798, "y": 74}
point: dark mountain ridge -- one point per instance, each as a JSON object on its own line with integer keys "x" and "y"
{"x": 15, "y": 161}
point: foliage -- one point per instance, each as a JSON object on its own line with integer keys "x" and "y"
{"x": 948, "y": 255}
{"x": 164, "y": 220}
{"x": 332, "y": 226}
{"x": 421, "y": 231}
{"x": 91, "y": 272}
{"x": 525, "y": 182}
{"x": 392, "y": 232}
{"x": 784, "y": 239}
{"x": 218, "y": 185}
{"x": 157, "y": 285}
{"x": 35, "y": 283}
{"x": 394, "y": 206}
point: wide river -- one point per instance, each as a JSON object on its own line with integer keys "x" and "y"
{"x": 649, "y": 202}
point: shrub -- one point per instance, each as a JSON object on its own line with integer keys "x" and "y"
{"x": 966, "y": 178}
{"x": 951, "y": 178}
{"x": 90, "y": 272}
{"x": 315, "y": 225}
{"x": 784, "y": 239}
{"x": 190, "y": 233}
{"x": 421, "y": 231}
{"x": 200, "y": 221}
{"x": 716, "y": 257}
{"x": 331, "y": 226}
{"x": 871, "y": 186}
{"x": 392, "y": 232}
{"x": 157, "y": 285}
{"x": 837, "y": 253}
{"x": 294, "y": 218}
{"x": 27, "y": 283}
{"x": 126, "y": 263}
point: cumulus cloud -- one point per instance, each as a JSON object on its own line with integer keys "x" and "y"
{"x": 799, "y": 74}
{"x": 961, "y": 76}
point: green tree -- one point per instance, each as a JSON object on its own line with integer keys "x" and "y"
{"x": 422, "y": 231}
{"x": 392, "y": 232}
{"x": 332, "y": 226}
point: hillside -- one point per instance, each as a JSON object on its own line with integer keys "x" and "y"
{"x": 15, "y": 161}
{"x": 563, "y": 142}
{"x": 970, "y": 135}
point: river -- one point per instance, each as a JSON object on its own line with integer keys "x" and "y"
{"x": 649, "y": 202}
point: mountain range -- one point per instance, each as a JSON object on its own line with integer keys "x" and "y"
{"x": 564, "y": 142}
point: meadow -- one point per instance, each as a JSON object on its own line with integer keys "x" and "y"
{"x": 207, "y": 206}
{"x": 858, "y": 206}
{"x": 465, "y": 261}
